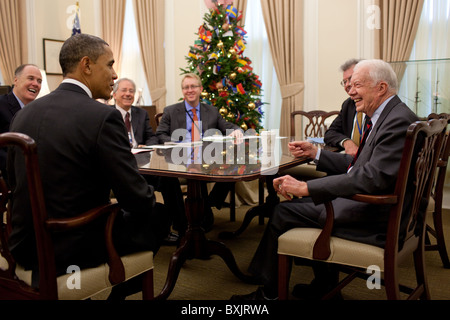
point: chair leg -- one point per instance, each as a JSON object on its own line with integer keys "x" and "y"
{"x": 439, "y": 233}
{"x": 284, "y": 272}
{"x": 147, "y": 286}
{"x": 421, "y": 278}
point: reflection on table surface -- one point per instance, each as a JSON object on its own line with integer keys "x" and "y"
{"x": 226, "y": 159}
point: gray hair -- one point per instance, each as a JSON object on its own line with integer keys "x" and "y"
{"x": 77, "y": 47}
{"x": 349, "y": 63}
{"x": 380, "y": 70}
{"x": 116, "y": 84}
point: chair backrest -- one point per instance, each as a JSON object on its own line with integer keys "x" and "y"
{"x": 5, "y": 89}
{"x": 151, "y": 110}
{"x": 415, "y": 179}
{"x": 43, "y": 240}
{"x": 314, "y": 123}
{"x": 157, "y": 118}
{"x": 442, "y": 164}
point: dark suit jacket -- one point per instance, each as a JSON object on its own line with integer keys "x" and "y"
{"x": 374, "y": 172}
{"x": 8, "y": 108}
{"x": 174, "y": 117}
{"x": 342, "y": 126}
{"x": 84, "y": 153}
{"x": 142, "y": 130}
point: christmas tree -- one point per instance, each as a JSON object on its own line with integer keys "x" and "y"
{"x": 229, "y": 83}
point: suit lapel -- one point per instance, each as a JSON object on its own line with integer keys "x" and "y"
{"x": 395, "y": 101}
{"x": 14, "y": 105}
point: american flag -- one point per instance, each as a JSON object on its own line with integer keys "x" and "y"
{"x": 76, "y": 29}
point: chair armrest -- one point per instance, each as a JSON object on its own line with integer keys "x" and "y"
{"x": 322, "y": 249}
{"x": 65, "y": 224}
{"x": 117, "y": 270}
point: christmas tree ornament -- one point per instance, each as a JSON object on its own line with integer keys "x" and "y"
{"x": 223, "y": 111}
{"x": 205, "y": 95}
{"x": 229, "y": 83}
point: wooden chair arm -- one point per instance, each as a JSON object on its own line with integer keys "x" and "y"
{"x": 65, "y": 224}
{"x": 117, "y": 270}
{"x": 322, "y": 249}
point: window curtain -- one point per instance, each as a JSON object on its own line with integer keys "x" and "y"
{"x": 13, "y": 37}
{"x": 113, "y": 18}
{"x": 284, "y": 24}
{"x": 149, "y": 15}
{"x": 399, "y": 20}
{"x": 241, "y": 5}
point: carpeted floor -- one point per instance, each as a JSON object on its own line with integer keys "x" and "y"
{"x": 212, "y": 280}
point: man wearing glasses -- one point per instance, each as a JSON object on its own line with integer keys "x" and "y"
{"x": 189, "y": 120}
{"x": 345, "y": 131}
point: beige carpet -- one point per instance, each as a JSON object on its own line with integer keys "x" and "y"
{"x": 212, "y": 280}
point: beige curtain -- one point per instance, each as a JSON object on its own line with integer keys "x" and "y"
{"x": 13, "y": 37}
{"x": 241, "y": 5}
{"x": 284, "y": 24}
{"x": 150, "y": 26}
{"x": 399, "y": 22}
{"x": 113, "y": 17}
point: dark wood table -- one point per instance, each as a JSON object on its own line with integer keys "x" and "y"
{"x": 221, "y": 162}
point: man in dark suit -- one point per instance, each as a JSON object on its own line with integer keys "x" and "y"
{"x": 83, "y": 153}
{"x": 345, "y": 131}
{"x": 178, "y": 120}
{"x": 27, "y": 85}
{"x": 141, "y": 134}
{"x": 374, "y": 88}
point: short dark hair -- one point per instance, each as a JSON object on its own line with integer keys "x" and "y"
{"x": 20, "y": 68}
{"x": 77, "y": 47}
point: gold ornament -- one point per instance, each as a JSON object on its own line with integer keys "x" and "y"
{"x": 232, "y": 51}
{"x": 223, "y": 111}
{"x": 233, "y": 76}
{"x": 244, "y": 126}
{"x": 205, "y": 95}
{"x": 226, "y": 27}
{"x": 220, "y": 45}
{"x": 230, "y": 116}
{"x": 251, "y": 106}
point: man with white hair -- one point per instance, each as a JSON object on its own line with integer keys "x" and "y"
{"x": 373, "y": 170}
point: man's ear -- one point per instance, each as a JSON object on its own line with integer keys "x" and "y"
{"x": 383, "y": 88}
{"x": 85, "y": 64}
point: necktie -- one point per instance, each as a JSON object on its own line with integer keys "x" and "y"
{"x": 195, "y": 133}
{"x": 128, "y": 125}
{"x": 127, "y": 122}
{"x": 367, "y": 128}
{"x": 356, "y": 137}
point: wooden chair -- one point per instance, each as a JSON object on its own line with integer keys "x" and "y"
{"x": 315, "y": 126}
{"x": 415, "y": 177}
{"x": 157, "y": 118}
{"x": 151, "y": 110}
{"x": 15, "y": 282}
{"x": 435, "y": 208}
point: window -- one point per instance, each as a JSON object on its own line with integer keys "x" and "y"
{"x": 131, "y": 56}
{"x": 425, "y": 86}
{"x": 258, "y": 50}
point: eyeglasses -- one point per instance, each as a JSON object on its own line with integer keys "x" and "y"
{"x": 346, "y": 82}
{"x": 190, "y": 87}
